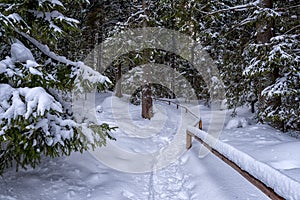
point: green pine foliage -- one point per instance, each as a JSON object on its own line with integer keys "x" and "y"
{"x": 275, "y": 67}
{"x": 36, "y": 116}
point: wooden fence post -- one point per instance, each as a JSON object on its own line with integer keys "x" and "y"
{"x": 188, "y": 140}
{"x": 200, "y": 124}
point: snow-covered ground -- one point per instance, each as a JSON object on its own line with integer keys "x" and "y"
{"x": 149, "y": 160}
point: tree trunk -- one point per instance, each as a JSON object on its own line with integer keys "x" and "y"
{"x": 173, "y": 57}
{"x": 264, "y": 28}
{"x": 118, "y": 81}
{"x": 147, "y": 107}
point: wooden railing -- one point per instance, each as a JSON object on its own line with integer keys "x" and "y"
{"x": 189, "y": 135}
{"x": 187, "y": 110}
{"x": 259, "y": 184}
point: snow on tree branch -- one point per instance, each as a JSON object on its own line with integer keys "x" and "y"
{"x": 82, "y": 70}
{"x": 236, "y": 8}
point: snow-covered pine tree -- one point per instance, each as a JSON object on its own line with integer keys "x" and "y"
{"x": 273, "y": 63}
{"x": 36, "y": 117}
{"x": 258, "y": 43}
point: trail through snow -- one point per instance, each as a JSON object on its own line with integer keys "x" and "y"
{"x": 167, "y": 126}
{"x": 188, "y": 177}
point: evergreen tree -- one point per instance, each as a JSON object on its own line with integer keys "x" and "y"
{"x": 273, "y": 63}
{"x": 255, "y": 44}
{"x": 36, "y": 116}
{"x": 259, "y": 59}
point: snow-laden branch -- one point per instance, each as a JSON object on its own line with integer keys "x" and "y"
{"x": 83, "y": 70}
{"x": 30, "y": 103}
{"x": 236, "y": 8}
{"x": 45, "y": 49}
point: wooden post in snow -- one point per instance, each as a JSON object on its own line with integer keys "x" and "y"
{"x": 188, "y": 140}
{"x": 200, "y": 124}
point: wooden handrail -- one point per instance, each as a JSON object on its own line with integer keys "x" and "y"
{"x": 187, "y": 110}
{"x": 256, "y": 182}
{"x": 259, "y": 184}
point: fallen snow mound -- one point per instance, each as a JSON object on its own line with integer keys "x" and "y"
{"x": 239, "y": 122}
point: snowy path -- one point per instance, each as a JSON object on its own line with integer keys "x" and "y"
{"x": 81, "y": 176}
{"x": 167, "y": 128}
{"x": 142, "y": 145}
{"x": 165, "y": 184}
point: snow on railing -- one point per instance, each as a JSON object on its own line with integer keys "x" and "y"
{"x": 269, "y": 180}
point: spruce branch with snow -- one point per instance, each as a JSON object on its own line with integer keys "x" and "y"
{"x": 36, "y": 116}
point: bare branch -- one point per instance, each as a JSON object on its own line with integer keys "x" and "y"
{"x": 287, "y": 8}
{"x": 292, "y": 29}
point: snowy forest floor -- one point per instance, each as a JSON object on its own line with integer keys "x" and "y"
{"x": 83, "y": 176}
